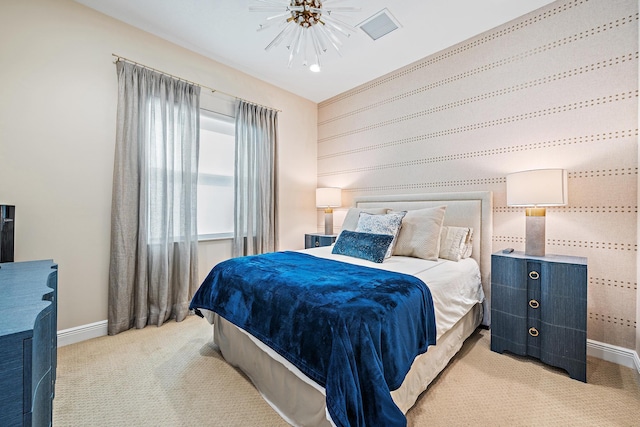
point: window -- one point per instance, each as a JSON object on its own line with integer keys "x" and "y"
{"x": 169, "y": 136}
{"x": 215, "y": 176}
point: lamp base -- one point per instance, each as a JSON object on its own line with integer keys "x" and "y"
{"x": 328, "y": 221}
{"x": 535, "y": 238}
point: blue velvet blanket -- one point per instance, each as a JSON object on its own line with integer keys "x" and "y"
{"x": 354, "y": 330}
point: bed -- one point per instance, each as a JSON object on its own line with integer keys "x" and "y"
{"x": 301, "y": 400}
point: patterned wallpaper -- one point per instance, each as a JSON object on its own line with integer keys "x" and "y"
{"x": 557, "y": 88}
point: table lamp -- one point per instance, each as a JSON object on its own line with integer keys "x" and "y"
{"x": 536, "y": 188}
{"x": 328, "y": 198}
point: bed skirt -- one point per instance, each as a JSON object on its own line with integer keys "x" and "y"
{"x": 299, "y": 400}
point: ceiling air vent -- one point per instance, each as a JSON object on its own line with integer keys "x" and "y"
{"x": 380, "y": 24}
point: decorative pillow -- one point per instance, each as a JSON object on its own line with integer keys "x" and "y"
{"x": 353, "y": 214}
{"x": 455, "y": 242}
{"x": 371, "y": 247}
{"x": 381, "y": 224}
{"x": 420, "y": 233}
{"x": 468, "y": 245}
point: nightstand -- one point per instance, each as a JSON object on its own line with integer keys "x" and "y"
{"x": 539, "y": 309}
{"x": 315, "y": 240}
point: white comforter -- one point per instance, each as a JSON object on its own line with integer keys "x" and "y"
{"x": 455, "y": 286}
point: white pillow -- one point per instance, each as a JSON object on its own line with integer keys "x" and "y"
{"x": 455, "y": 243}
{"x": 468, "y": 245}
{"x": 420, "y": 233}
{"x": 353, "y": 214}
{"x": 381, "y": 224}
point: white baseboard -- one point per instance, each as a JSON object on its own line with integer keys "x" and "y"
{"x": 82, "y": 333}
{"x": 637, "y": 360}
{"x": 613, "y": 353}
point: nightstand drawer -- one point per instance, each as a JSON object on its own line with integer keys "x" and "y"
{"x": 316, "y": 240}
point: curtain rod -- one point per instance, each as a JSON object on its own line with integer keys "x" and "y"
{"x": 122, "y": 58}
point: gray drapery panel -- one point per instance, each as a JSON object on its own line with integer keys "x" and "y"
{"x": 256, "y": 206}
{"x": 153, "y": 266}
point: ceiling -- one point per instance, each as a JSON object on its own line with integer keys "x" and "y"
{"x": 225, "y": 30}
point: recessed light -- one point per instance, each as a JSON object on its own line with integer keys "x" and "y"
{"x": 315, "y": 68}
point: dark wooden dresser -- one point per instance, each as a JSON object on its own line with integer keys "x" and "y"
{"x": 28, "y": 342}
{"x": 539, "y": 309}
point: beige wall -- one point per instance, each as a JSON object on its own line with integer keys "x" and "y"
{"x": 57, "y": 133}
{"x": 638, "y": 258}
{"x": 557, "y": 88}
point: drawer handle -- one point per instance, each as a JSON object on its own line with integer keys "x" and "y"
{"x": 534, "y": 275}
{"x": 533, "y": 332}
{"x": 534, "y": 304}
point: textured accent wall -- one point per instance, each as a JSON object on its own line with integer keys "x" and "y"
{"x": 557, "y": 88}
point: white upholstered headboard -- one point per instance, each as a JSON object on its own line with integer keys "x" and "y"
{"x": 464, "y": 209}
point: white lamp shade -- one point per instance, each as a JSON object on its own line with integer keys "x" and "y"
{"x": 542, "y": 187}
{"x": 328, "y": 197}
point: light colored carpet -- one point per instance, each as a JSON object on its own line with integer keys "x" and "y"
{"x": 172, "y": 376}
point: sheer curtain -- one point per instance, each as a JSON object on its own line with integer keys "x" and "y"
{"x": 153, "y": 266}
{"x": 256, "y": 207}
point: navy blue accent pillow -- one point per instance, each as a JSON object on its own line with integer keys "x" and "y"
{"x": 369, "y": 246}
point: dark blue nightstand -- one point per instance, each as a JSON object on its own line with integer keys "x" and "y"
{"x": 539, "y": 309}
{"x": 314, "y": 240}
